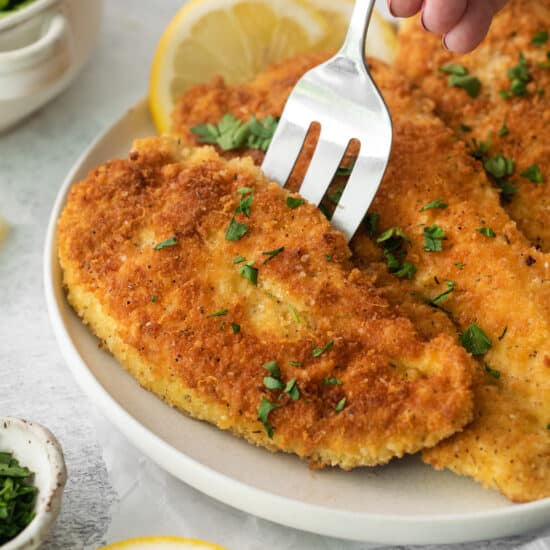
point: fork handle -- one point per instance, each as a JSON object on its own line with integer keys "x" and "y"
{"x": 354, "y": 44}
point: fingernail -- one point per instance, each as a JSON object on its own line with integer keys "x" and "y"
{"x": 422, "y": 22}
{"x": 444, "y": 42}
{"x": 390, "y": 8}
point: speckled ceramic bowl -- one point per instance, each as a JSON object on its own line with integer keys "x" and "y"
{"x": 36, "y": 448}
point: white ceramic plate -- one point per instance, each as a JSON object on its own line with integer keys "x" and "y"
{"x": 405, "y": 502}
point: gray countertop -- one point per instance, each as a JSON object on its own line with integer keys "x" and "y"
{"x": 34, "y": 382}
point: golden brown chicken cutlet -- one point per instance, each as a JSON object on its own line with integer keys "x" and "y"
{"x": 510, "y": 115}
{"x": 466, "y": 257}
{"x": 237, "y": 303}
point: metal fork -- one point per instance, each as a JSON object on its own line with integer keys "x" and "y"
{"x": 341, "y": 96}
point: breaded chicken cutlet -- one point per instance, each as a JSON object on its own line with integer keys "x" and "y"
{"x": 237, "y": 303}
{"x": 511, "y": 114}
{"x": 474, "y": 266}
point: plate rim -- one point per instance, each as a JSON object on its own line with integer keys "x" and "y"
{"x": 313, "y": 518}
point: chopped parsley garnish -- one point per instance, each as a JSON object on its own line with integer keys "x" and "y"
{"x": 244, "y": 206}
{"x": 220, "y": 313}
{"x": 165, "y": 244}
{"x": 17, "y": 497}
{"x": 371, "y": 223}
{"x": 487, "y": 232}
{"x": 235, "y": 328}
{"x": 341, "y": 404}
{"x": 296, "y": 364}
{"x": 332, "y": 382}
{"x": 222, "y": 326}
{"x": 433, "y": 237}
{"x": 317, "y": 352}
{"x": 519, "y": 76}
{"x": 475, "y": 340}
{"x": 464, "y": 128}
{"x": 236, "y": 231}
{"x": 335, "y": 197}
{"x": 325, "y": 211}
{"x": 244, "y": 190}
{"x": 328, "y": 257}
{"x": 499, "y": 166}
{"x": 438, "y": 299}
{"x": 456, "y": 69}
{"x": 272, "y": 383}
{"x": 460, "y": 265}
{"x": 264, "y": 410}
{"x": 394, "y": 232}
{"x": 230, "y": 133}
{"x": 437, "y": 203}
{"x": 272, "y": 254}
{"x": 494, "y": 373}
{"x": 543, "y": 65}
{"x": 239, "y": 260}
{"x": 480, "y": 149}
{"x": 394, "y": 240}
{"x": 272, "y": 368}
{"x": 291, "y": 389}
{"x": 344, "y": 171}
{"x": 153, "y": 299}
{"x": 548, "y": 427}
{"x": 504, "y": 332}
{"x": 470, "y": 83}
{"x": 504, "y": 130}
{"x": 540, "y": 38}
{"x": 533, "y": 174}
{"x": 294, "y": 202}
{"x": 294, "y": 313}
{"x": 250, "y": 273}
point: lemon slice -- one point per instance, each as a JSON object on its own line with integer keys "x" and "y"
{"x": 232, "y": 38}
{"x": 163, "y": 543}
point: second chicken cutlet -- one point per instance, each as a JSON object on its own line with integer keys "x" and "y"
{"x": 506, "y": 121}
{"x": 438, "y": 226}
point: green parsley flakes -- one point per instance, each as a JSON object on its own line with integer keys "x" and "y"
{"x": 344, "y": 171}
{"x": 291, "y": 389}
{"x": 235, "y": 328}
{"x": 154, "y": 299}
{"x": 239, "y": 260}
{"x": 471, "y": 84}
{"x": 272, "y": 368}
{"x": 17, "y": 497}
{"x": 294, "y": 313}
{"x": 460, "y": 265}
{"x": 296, "y": 364}
{"x": 317, "y": 352}
{"x": 465, "y": 128}
{"x": 272, "y": 254}
{"x": 294, "y": 202}
{"x": 494, "y": 373}
{"x": 230, "y": 133}
{"x": 519, "y": 76}
{"x": 442, "y": 297}
{"x": 394, "y": 240}
{"x": 371, "y": 223}
{"x": 475, "y": 340}
{"x": 436, "y": 204}
{"x": 250, "y": 273}
{"x": 433, "y": 237}
{"x": 504, "y": 130}
{"x": 456, "y": 69}
{"x": 272, "y": 383}
{"x": 236, "y": 231}
{"x": 244, "y": 190}
{"x": 335, "y": 197}
{"x": 220, "y": 313}
{"x": 244, "y": 206}
{"x": 332, "y": 382}
{"x": 499, "y": 166}
{"x": 487, "y": 232}
{"x": 167, "y": 243}
{"x": 533, "y": 174}
{"x": 540, "y": 38}
{"x": 341, "y": 404}
{"x": 393, "y": 232}
{"x": 264, "y": 410}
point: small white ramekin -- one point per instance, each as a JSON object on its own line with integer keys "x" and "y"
{"x": 42, "y": 48}
{"x": 37, "y": 449}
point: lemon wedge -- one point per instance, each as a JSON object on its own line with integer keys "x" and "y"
{"x": 163, "y": 543}
{"x": 236, "y": 39}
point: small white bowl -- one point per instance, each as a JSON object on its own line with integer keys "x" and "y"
{"x": 36, "y": 448}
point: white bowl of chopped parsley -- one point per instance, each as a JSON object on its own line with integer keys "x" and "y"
{"x": 32, "y": 479}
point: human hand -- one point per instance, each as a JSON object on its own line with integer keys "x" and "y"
{"x": 463, "y": 23}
